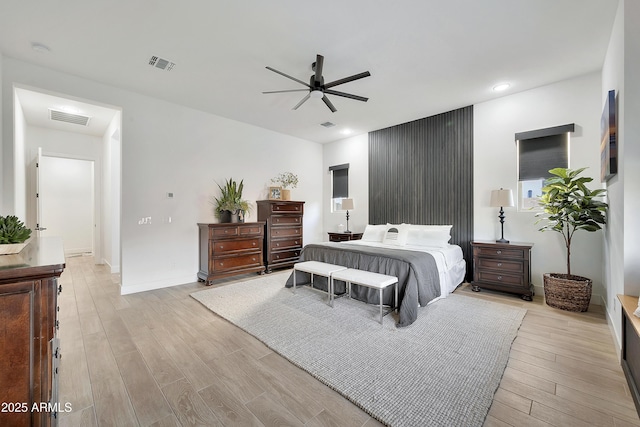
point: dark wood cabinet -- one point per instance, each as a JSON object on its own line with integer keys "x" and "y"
{"x": 28, "y": 337}
{"x": 503, "y": 267}
{"x": 343, "y": 237}
{"x": 283, "y": 232}
{"x": 630, "y": 356}
{"x": 230, "y": 249}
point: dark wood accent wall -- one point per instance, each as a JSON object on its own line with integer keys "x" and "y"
{"x": 421, "y": 172}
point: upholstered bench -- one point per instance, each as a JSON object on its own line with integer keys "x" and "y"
{"x": 368, "y": 279}
{"x": 319, "y": 269}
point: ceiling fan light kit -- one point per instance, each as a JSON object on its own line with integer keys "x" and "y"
{"x": 318, "y": 89}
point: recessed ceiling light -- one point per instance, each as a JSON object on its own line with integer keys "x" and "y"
{"x": 346, "y": 131}
{"x": 501, "y": 87}
{"x": 39, "y": 47}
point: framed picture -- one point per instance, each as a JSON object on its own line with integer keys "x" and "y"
{"x": 275, "y": 193}
{"x": 608, "y": 145}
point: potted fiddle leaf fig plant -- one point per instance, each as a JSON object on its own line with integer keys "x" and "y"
{"x": 230, "y": 206}
{"x": 286, "y": 180}
{"x": 13, "y": 235}
{"x": 569, "y": 206}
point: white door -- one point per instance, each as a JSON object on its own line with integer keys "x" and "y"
{"x": 66, "y": 202}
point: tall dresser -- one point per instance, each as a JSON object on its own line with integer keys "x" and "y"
{"x": 283, "y": 232}
{"x": 229, "y": 249}
{"x": 28, "y": 336}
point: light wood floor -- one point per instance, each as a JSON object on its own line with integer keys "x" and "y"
{"x": 161, "y": 359}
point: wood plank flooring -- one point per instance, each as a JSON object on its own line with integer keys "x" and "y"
{"x": 159, "y": 358}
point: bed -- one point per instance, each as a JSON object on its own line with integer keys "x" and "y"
{"x": 427, "y": 266}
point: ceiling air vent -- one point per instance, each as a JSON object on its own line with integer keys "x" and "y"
{"x": 163, "y": 64}
{"x": 327, "y": 124}
{"x": 62, "y": 116}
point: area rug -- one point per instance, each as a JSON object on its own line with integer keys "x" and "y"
{"x": 442, "y": 370}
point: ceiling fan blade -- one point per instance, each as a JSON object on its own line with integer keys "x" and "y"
{"x": 289, "y": 90}
{"x": 319, "y": 63}
{"x": 288, "y": 76}
{"x": 302, "y": 102}
{"x": 329, "y": 104}
{"x": 346, "y": 95}
{"x": 347, "y": 79}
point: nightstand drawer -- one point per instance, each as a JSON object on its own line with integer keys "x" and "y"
{"x": 500, "y": 252}
{"x": 284, "y": 256}
{"x": 501, "y": 265}
{"x": 500, "y": 279}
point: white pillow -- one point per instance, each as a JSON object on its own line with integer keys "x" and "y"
{"x": 429, "y": 235}
{"x": 395, "y": 235}
{"x": 374, "y": 233}
{"x": 637, "y": 312}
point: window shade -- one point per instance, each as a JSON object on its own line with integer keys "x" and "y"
{"x": 340, "y": 183}
{"x": 538, "y": 155}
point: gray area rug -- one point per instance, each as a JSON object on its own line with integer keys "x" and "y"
{"x": 442, "y": 370}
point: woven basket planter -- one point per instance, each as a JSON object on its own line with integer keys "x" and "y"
{"x": 570, "y": 293}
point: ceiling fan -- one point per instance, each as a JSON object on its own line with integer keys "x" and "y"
{"x": 318, "y": 88}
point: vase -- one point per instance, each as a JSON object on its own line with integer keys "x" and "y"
{"x": 285, "y": 194}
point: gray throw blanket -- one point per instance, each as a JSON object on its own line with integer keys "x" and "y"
{"x": 417, "y": 273}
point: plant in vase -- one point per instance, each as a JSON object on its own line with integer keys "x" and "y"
{"x": 286, "y": 180}
{"x": 569, "y": 205}
{"x": 13, "y": 234}
{"x": 230, "y": 207}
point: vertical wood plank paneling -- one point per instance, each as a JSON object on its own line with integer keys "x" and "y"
{"x": 421, "y": 172}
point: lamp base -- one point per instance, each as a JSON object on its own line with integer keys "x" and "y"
{"x": 502, "y": 241}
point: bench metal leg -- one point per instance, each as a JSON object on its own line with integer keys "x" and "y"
{"x": 381, "y": 305}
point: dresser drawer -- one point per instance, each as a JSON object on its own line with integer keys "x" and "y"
{"x": 281, "y": 207}
{"x": 286, "y": 232}
{"x": 516, "y": 267}
{"x": 284, "y": 256}
{"x": 500, "y": 252}
{"x": 235, "y": 262}
{"x": 500, "y": 279}
{"x": 250, "y": 230}
{"x": 218, "y": 232}
{"x": 286, "y": 220}
{"x": 283, "y": 244}
{"x": 222, "y": 247}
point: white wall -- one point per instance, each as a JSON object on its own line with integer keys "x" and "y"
{"x": 19, "y": 165}
{"x": 495, "y": 124}
{"x": 170, "y": 148}
{"x": 353, "y": 150}
{"x": 111, "y": 194}
{"x": 620, "y": 73}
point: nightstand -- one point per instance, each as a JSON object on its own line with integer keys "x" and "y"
{"x": 503, "y": 267}
{"x": 342, "y": 237}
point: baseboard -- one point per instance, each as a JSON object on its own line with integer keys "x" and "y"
{"x": 115, "y": 269}
{"x": 158, "y": 284}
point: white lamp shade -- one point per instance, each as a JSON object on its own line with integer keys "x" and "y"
{"x": 501, "y": 197}
{"x": 347, "y": 204}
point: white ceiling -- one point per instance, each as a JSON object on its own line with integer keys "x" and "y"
{"x": 425, "y": 56}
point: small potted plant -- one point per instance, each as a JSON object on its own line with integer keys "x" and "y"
{"x": 286, "y": 180}
{"x": 230, "y": 207}
{"x": 569, "y": 205}
{"x": 13, "y": 235}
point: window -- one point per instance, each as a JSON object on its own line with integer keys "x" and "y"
{"x": 339, "y": 185}
{"x": 538, "y": 152}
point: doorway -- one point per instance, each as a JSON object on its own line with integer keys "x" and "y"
{"x": 66, "y": 201}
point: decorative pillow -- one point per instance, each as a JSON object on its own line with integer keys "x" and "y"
{"x": 374, "y": 233}
{"x": 429, "y": 235}
{"x": 395, "y": 235}
{"x": 637, "y": 312}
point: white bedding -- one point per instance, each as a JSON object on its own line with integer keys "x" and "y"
{"x": 449, "y": 261}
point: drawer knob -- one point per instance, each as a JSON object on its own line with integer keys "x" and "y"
{"x": 221, "y": 246}
{"x": 498, "y": 252}
{"x": 277, "y": 256}
{"x": 296, "y": 242}
{"x": 499, "y": 264}
{"x": 226, "y": 231}
{"x": 499, "y": 277}
{"x": 253, "y": 259}
{"x": 221, "y": 264}
{"x": 277, "y": 244}
{"x": 254, "y": 243}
